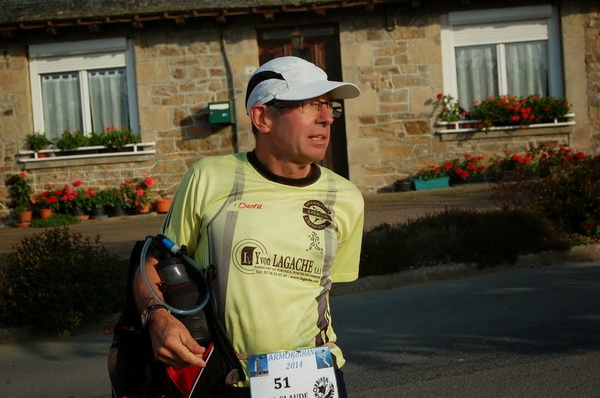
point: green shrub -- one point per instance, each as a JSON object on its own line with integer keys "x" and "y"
{"x": 70, "y": 141}
{"x": 458, "y": 236}
{"x": 567, "y": 194}
{"x": 59, "y": 279}
{"x": 36, "y": 141}
{"x": 118, "y": 138}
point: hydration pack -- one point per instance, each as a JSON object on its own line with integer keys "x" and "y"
{"x": 133, "y": 371}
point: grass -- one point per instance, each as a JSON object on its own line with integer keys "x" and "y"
{"x": 54, "y": 221}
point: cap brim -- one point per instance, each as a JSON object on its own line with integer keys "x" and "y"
{"x": 337, "y": 90}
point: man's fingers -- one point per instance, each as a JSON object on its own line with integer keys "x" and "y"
{"x": 174, "y": 345}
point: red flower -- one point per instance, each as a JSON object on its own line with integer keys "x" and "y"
{"x": 77, "y": 183}
{"x": 23, "y": 174}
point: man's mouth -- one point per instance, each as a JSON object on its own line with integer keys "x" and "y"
{"x": 318, "y": 137}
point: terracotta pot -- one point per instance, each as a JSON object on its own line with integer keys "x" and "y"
{"x": 142, "y": 209}
{"x": 163, "y": 205}
{"x": 25, "y": 216}
{"x": 45, "y": 213}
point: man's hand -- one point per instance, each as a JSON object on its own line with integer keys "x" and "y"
{"x": 172, "y": 342}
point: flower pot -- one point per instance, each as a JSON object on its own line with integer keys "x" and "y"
{"x": 98, "y": 213}
{"x": 144, "y": 209}
{"x": 163, "y": 205}
{"x": 476, "y": 179}
{"x": 25, "y": 216}
{"x": 403, "y": 186}
{"x": 78, "y": 214}
{"x": 116, "y": 211}
{"x": 45, "y": 213}
{"x": 442, "y": 182}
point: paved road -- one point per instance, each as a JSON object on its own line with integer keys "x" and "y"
{"x": 527, "y": 333}
{"x": 521, "y": 333}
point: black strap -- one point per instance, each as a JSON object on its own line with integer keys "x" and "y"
{"x": 259, "y": 78}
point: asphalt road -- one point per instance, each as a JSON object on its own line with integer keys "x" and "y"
{"x": 524, "y": 333}
{"x": 518, "y": 333}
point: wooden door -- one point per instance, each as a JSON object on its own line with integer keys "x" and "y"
{"x": 319, "y": 45}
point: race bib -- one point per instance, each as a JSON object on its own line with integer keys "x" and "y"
{"x": 306, "y": 373}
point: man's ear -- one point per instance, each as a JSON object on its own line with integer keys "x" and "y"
{"x": 261, "y": 118}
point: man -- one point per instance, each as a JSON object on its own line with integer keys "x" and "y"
{"x": 278, "y": 227}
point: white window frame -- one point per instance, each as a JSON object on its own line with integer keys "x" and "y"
{"x": 82, "y": 56}
{"x": 504, "y": 25}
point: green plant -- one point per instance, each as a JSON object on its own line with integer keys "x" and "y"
{"x": 19, "y": 192}
{"x": 118, "y": 138}
{"x": 96, "y": 139}
{"x": 509, "y": 110}
{"x": 451, "y": 109}
{"x": 85, "y": 200}
{"x": 142, "y": 191}
{"x": 513, "y": 165}
{"x": 127, "y": 194}
{"x": 71, "y": 140}
{"x": 49, "y": 199}
{"x": 432, "y": 171}
{"x": 59, "y": 279}
{"x": 567, "y": 194}
{"x": 36, "y": 141}
{"x": 468, "y": 166}
{"x": 111, "y": 197}
{"x": 74, "y": 197}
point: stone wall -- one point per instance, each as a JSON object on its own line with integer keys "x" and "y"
{"x": 592, "y": 65}
{"x": 399, "y": 70}
{"x": 390, "y": 127}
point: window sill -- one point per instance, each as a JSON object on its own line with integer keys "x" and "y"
{"x": 49, "y": 158}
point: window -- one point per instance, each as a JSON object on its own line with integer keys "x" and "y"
{"x": 85, "y": 86}
{"x": 513, "y": 51}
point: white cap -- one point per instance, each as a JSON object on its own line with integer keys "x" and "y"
{"x": 293, "y": 79}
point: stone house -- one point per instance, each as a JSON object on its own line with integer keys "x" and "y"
{"x": 168, "y": 69}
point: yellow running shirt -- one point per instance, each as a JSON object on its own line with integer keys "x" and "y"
{"x": 277, "y": 243}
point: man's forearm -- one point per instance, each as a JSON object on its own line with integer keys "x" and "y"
{"x": 143, "y": 297}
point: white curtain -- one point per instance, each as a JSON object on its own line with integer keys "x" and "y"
{"x": 62, "y": 104}
{"x": 527, "y": 68}
{"x": 108, "y": 99}
{"x": 477, "y": 73}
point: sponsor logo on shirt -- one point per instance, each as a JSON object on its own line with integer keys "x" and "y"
{"x": 316, "y": 215}
{"x": 243, "y": 205}
{"x": 251, "y": 257}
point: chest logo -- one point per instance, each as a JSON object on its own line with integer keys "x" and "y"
{"x": 316, "y": 215}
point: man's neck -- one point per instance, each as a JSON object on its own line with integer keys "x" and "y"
{"x": 314, "y": 172}
{"x": 283, "y": 169}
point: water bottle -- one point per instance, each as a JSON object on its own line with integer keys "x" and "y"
{"x": 182, "y": 292}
